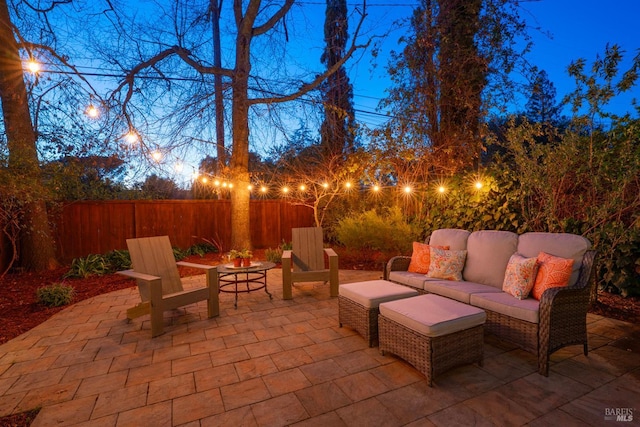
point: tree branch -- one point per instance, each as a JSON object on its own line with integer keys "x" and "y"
{"x": 308, "y": 87}
{"x": 274, "y": 19}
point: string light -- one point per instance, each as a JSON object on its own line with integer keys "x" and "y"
{"x": 375, "y": 188}
{"x": 478, "y": 185}
{"x": 92, "y": 111}
{"x": 264, "y": 189}
{"x": 250, "y": 187}
{"x": 348, "y": 185}
{"x": 131, "y": 137}
{"x": 216, "y": 183}
{"x": 325, "y": 185}
{"x": 204, "y": 180}
{"x": 441, "y": 189}
{"x": 285, "y": 190}
{"x": 302, "y": 187}
{"x": 408, "y": 189}
{"x": 33, "y": 66}
{"x": 157, "y": 156}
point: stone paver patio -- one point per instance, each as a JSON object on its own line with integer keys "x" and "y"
{"x": 276, "y": 362}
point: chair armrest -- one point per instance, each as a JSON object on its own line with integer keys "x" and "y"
{"x": 397, "y": 263}
{"x": 140, "y": 276}
{"x": 194, "y": 265}
{"x": 330, "y": 253}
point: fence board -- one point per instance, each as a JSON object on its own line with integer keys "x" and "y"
{"x": 83, "y": 228}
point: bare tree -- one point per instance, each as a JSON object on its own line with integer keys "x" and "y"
{"x": 251, "y": 19}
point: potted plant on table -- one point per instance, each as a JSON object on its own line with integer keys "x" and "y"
{"x": 236, "y": 257}
{"x": 246, "y": 255}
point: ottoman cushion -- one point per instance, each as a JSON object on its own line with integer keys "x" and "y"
{"x": 370, "y": 294}
{"x": 433, "y": 315}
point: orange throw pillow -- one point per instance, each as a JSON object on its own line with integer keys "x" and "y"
{"x": 420, "y": 257}
{"x": 553, "y": 272}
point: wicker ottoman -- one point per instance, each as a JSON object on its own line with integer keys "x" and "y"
{"x": 358, "y": 305}
{"x": 432, "y": 333}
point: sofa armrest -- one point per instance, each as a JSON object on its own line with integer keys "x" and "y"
{"x": 563, "y": 313}
{"x": 397, "y": 263}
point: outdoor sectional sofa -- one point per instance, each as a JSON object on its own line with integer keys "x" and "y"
{"x": 541, "y": 327}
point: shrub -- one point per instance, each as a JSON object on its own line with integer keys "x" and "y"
{"x": 370, "y": 230}
{"x": 117, "y": 260}
{"x": 202, "y": 249}
{"x": 275, "y": 255}
{"x": 92, "y": 264}
{"x": 55, "y": 295}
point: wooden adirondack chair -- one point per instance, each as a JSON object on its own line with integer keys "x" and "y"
{"x": 307, "y": 259}
{"x": 156, "y": 271}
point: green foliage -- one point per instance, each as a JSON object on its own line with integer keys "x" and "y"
{"x": 118, "y": 260}
{"x": 55, "y": 295}
{"x": 201, "y": 249}
{"x": 371, "y": 230}
{"x": 180, "y": 254}
{"x": 495, "y": 206}
{"x": 275, "y": 255}
{"x": 91, "y": 265}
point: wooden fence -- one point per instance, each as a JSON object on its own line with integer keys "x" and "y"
{"x": 83, "y": 228}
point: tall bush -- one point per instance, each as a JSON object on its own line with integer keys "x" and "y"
{"x": 387, "y": 231}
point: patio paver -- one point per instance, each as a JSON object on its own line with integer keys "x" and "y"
{"x": 277, "y": 362}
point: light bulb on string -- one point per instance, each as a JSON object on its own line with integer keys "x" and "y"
{"x": 92, "y": 111}
{"x": 33, "y": 66}
{"x": 131, "y": 137}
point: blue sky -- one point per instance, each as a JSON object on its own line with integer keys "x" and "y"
{"x": 582, "y": 29}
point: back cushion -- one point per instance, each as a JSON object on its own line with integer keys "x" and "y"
{"x": 563, "y": 245}
{"x": 455, "y": 238}
{"x": 488, "y": 253}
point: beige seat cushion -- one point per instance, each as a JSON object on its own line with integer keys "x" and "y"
{"x": 433, "y": 315}
{"x": 415, "y": 280}
{"x": 488, "y": 253}
{"x": 370, "y": 294}
{"x": 459, "y": 291}
{"x": 503, "y": 303}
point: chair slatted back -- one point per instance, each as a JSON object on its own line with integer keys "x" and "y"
{"x": 307, "y": 249}
{"x": 154, "y": 256}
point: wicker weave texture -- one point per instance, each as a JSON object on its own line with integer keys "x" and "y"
{"x": 363, "y": 319}
{"x": 519, "y": 332}
{"x": 431, "y": 355}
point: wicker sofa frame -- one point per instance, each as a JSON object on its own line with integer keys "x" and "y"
{"x": 562, "y": 315}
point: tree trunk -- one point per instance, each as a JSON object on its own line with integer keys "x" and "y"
{"x": 240, "y": 221}
{"x": 217, "y": 83}
{"x": 37, "y": 251}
